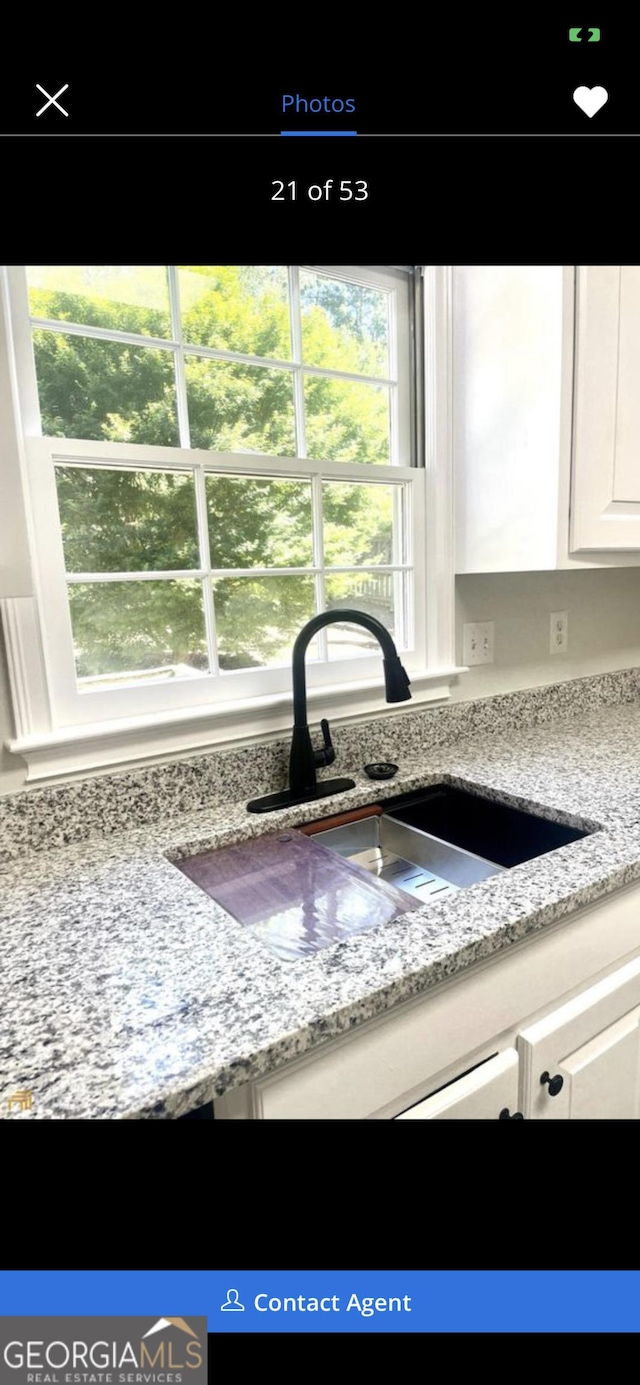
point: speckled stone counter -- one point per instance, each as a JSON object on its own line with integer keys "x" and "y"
{"x": 127, "y": 992}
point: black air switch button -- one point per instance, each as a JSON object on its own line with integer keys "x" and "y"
{"x": 383, "y": 769}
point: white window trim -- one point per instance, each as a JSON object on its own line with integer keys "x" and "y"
{"x": 58, "y": 741}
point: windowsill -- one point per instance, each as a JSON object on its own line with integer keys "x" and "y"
{"x": 102, "y": 746}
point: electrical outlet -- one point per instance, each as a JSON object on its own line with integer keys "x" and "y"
{"x": 559, "y": 632}
{"x": 477, "y": 642}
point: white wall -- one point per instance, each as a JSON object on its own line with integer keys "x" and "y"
{"x": 604, "y": 626}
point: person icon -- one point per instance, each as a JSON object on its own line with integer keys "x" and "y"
{"x": 232, "y": 1303}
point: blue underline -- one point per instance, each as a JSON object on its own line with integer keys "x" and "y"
{"x": 323, "y": 133}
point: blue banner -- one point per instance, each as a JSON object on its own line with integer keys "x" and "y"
{"x": 341, "y": 1300}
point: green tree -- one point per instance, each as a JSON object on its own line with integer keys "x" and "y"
{"x": 133, "y": 521}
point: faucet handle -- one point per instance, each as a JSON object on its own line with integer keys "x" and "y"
{"x": 327, "y": 755}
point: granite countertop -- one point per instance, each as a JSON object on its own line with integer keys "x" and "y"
{"x": 127, "y": 992}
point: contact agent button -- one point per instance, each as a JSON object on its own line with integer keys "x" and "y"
{"x": 332, "y": 1303}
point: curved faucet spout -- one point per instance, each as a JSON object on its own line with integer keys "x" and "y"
{"x": 304, "y": 760}
{"x": 395, "y": 677}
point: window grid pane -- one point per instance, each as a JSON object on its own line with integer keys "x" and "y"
{"x": 125, "y": 298}
{"x": 117, "y": 519}
{"x": 128, "y": 632}
{"x": 258, "y": 618}
{"x": 239, "y": 408}
{"x": 237, "y": 307}
{"x": 104, "y": 390}
{"x": 359, "y": 317}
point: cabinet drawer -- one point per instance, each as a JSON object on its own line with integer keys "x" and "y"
{"x": 481, "y": 1095}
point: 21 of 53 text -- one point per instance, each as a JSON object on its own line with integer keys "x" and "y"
{"x": 333, "y": 189}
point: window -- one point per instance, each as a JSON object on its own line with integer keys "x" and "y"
{"x": 216, "y": 453}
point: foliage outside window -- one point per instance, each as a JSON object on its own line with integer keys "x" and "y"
{"x": 211, "y": 565}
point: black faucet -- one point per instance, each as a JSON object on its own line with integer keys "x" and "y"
{"x": 304, "y": 760}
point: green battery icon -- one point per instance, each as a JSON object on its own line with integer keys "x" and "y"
{"x": 578, "y": 35}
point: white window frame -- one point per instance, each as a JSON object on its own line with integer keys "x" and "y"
{"x": 61, "y": 731}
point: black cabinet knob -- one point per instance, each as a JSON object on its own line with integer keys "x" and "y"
{"x": 555, "y": 1083}
{"x": 505, "y": 1115}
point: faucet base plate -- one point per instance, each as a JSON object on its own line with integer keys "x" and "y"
{"x": 288, "y": 798}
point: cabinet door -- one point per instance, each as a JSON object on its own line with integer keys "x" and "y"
{"x": 589, "y": 1050}
{"x": 606, "y": 445}
{"x": 481, "y": 1095}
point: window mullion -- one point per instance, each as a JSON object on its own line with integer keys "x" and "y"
{"x": 318, "y": 560}
{"x": 394, "y": 431}
{"x": 296, "y": 348}
{"x": 180, "y": 374}
{"x": 212, "y": 353}
{"x": 82, "y": 329}
{"x": 400, "y": 555}
{"x": 205, "y": 564}
{"x": 165, "y": 575}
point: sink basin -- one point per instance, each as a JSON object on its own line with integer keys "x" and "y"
{"x": 412, "y": 860}
{"x": 496, "y": 831}
{"x": 435, "y": 841}
{"x": 299, "y": 891}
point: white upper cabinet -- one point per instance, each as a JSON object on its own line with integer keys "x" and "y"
{"x": 508, "y": 341}
{"x": 605, "y": 512}
{"x": 546, "y": 417}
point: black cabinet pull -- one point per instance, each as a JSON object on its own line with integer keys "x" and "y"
{"x": 505, "y": 1115}
{"x": 555, "y": 1083}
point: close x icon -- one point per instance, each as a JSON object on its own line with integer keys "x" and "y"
{"x": 52, "y": 100}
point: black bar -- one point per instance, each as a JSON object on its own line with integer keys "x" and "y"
{"x": 464, "y": 72}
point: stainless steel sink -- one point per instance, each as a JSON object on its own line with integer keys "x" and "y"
{"x": 417, "y": 862}
{"x": 293, "y": 893}
{"x": 290, "y": 892}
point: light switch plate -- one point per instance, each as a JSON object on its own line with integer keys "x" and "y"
{"x": 478, "y": 642}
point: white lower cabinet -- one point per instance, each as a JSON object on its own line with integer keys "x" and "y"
{"x": 548, "y": 1029}
{"x": 582, "y": 1061}
{"x": 489, "y": 1092}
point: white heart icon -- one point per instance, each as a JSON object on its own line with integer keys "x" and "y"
{"x": 590, "y": 99}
